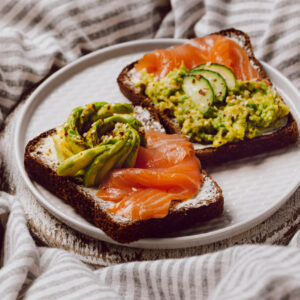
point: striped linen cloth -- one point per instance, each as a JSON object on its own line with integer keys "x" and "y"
{"x": 40, "y": 36}
{"x": 37, "y": 38}
{"x": 241, "y": 272}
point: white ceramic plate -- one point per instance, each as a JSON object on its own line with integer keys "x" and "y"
{"x": 253, "y": 188}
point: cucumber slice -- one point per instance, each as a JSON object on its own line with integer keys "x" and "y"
{"x": 224, "y": 71}
{"x": 199, "y": 89}
{"x": 216, "y": 81}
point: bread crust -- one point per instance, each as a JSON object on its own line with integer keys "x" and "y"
{"x": 70, "y": 191}
{"x": 231, "y": 151}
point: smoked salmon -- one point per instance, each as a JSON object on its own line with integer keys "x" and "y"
{"x": 167, "y": 169}
{"x": 212, "y": 48}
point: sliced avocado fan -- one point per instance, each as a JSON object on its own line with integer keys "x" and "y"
{"x": 100, "y": 137}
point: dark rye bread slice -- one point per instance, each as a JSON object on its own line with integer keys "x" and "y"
{"x": 280, "y": 138}
{"x": 40, "y": 164}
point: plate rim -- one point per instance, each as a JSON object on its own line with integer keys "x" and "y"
{"x": 149, "y": 243}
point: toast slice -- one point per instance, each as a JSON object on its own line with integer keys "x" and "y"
{"x": 278, "y": 138}
{"x": 41, "y": 165}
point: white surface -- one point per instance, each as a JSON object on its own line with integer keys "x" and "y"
{"x": 253, "y": 188}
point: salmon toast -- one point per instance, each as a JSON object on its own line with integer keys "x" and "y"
{"x": 215, "y": 92}
{"x": 166, "y": 189}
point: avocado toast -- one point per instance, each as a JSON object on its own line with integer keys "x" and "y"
{"x": 98, "y": 137}
{"x": 228, "y": 111}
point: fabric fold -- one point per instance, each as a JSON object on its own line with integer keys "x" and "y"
{"x": 241, "y": 272}
{"x": 39, "y": 37}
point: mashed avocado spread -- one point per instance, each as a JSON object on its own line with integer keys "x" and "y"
{"x": 248, "y": 108}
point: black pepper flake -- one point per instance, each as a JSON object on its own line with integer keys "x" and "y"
{"x": 167, "y": 111}
{"x": 202, "y": 93}
{"x": 108, "y": 107}
{"x": 121, "y": 133}
{"x": 193, "y": 81}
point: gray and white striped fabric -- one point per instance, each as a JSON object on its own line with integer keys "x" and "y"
{"x": 40, "y": 36}
{"x": 242, "y": 272}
